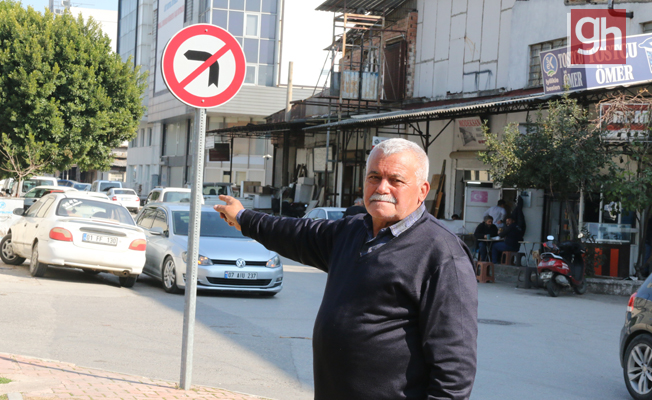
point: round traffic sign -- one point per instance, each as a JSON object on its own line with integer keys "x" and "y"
{"x": 203, "y": 66}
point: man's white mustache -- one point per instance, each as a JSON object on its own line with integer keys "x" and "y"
{"x": 383, "y": 197}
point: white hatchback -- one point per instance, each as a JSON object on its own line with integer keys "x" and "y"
{"x": 126, "y": 197}
{"x": 76, "y": 230}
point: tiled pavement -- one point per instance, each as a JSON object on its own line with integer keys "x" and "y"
{"x": 37, "y": 379}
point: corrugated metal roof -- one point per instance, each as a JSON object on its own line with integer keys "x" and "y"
{"x": 430, "y": 111}
{"x": 355, "y": 6}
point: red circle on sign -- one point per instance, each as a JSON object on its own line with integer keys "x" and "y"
{"x": 176, "y": 87}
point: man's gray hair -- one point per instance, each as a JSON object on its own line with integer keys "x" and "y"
{"x": 397, "y": 145}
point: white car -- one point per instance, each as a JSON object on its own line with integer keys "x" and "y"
{"x": 126, "y": 197}
{"x": 331, "y": 213}
{"x": 36, "y": 193}
{"x": 76, "y": 230}
{"x": 169, "y": 195}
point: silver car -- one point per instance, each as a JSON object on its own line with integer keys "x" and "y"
{"x": 228, "y": 261}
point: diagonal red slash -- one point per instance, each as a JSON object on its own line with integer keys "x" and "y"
{"x": 205, "y": 65}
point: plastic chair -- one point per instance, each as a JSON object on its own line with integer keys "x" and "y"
{"x": 485, "y": 272}
{"x": 507, "y": 258}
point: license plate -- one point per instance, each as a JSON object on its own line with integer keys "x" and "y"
{"x": 241, "y": 275}
{"x": 99, "y": 239}
{"x": 546, "y": 275}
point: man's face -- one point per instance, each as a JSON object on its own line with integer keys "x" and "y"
{"x": 489, "y": 222}
{"x": 391, "y": 189}
{"x": 509, "y": 221}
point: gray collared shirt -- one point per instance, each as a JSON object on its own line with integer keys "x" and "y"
{"x": 386, "y": 234}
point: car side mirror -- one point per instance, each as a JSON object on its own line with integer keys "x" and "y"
{"x": 19, "y": 211}
{"x": 158, "y": 231}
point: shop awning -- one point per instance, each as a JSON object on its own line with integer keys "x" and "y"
{"x": 493, "y": 106}
{"x": 266, "y": 130}
{"x": 374, "y": 6}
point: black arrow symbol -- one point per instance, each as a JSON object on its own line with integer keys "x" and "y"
{"x": 214, "y": 70}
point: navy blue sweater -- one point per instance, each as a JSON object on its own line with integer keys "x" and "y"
{"x": 397, "y": 323}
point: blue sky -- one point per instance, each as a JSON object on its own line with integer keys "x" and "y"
{"x": 40, "y": 5}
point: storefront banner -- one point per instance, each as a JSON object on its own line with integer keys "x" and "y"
{"x": 557, "y": 73}
{"x": 629, "y": 124}
{"x": 469, "y": 134}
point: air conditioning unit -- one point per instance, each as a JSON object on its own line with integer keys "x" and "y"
{"x": 65, "y": 3}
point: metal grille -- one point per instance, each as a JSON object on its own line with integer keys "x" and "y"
{"x": 248, "y": 263}
{"x": 534, "y": 78}
{"x": 239, "y": 282}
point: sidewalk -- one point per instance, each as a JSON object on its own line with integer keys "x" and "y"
{"x": 37, "y": 379}
{"x": 603, "y": 285}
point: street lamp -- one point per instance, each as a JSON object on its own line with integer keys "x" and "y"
{"x": 265, "y": 158}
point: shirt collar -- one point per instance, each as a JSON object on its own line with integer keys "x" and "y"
{"x": 399, "y": 227}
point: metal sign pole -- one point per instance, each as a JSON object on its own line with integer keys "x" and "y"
{"x": 193, "y": 251}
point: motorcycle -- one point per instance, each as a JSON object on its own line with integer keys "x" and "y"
{"x": 562, "y": 267}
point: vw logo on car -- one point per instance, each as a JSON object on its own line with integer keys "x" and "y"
{"x": 240, "y": 263}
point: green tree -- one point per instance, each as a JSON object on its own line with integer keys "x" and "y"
{"x": 560, "y": 152}
{"x": 630, "y": 184}
{"x": 65, "y": 97}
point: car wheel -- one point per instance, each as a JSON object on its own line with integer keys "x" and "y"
{"x": 638, "y": 368}
{"x": 169, "y": 276}
{"x": 581, "y": 289}
{"x": 128, "y": 281}
{"x": 553, "y": 287}
{"x": 7, "y": 252}
{"x": 36, "y": 268}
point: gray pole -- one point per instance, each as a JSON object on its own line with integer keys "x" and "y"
{"x": 193, "y": 252}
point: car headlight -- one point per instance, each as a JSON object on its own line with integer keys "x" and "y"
{"x": 274, "y": 262}
{"x": 201, "y": 260}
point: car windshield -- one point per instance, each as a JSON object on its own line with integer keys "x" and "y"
{"x": 211, "y": 225}
{"x": 210, "y": 189}
{"x": 333, "y": 215}
{"x": 105, "y": 186}
{"x": 125, "y": 191}
{"x": 32, "y": 183}
{"x": 86, "y": 208}
{"x": 176, "y": 197}
{"x": 82, "y": 186}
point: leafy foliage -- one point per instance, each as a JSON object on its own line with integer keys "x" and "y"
{"x": 65, "y": 97}
{"x": 560, "y": 152}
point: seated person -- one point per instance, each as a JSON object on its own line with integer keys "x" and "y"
{"x": 485, "y": 228}
{"x": 512, "y": 234}
{"x": 357, "y": 208}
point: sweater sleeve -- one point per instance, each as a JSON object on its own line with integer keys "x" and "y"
{"x": 449, "y": 323}
{"x": 304, "y": 240}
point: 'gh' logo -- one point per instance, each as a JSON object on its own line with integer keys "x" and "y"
{"x": 597, "y": 36}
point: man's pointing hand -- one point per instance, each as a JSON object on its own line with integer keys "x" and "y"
{"x": 229, "y": 211}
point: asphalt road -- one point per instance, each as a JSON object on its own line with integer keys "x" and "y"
{"x": 530, "y": 346}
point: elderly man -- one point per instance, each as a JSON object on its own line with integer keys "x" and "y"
{"x": 398, "y": 319}
{"x": 356, "y": 208}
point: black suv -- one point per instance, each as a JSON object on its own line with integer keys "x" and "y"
{"x": 636, "y": 343}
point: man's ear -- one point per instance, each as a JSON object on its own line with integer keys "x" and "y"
{"x": 424, "y": 188}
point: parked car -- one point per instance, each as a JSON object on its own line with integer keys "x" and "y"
{"x": 66, "y": 182}
{"x": 36, "y": 193}
{"x": 126, "y": 197}
{"x": 228, "y": 261}
{"x": 83, "y": 187}
{"x": 636, "y": 343}
{"x": 104, "y": 186}
{"x": 76, "y": 230}
{"x": 169, "y": 195}
{"x": 331, "y": 213}
{"x": 30, "y": 183}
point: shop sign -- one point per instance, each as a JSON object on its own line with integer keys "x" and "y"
{"x": 631, "y": 123}
{"x": 557, "y": 72}
{"x": 469, "y": 133}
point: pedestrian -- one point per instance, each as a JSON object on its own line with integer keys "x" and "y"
{"x": 485, "y": 228}
{"x": 512, "y": 234}
{"x": 356, "y": 208}
{"x": 398, "y": 318}
{"x": 498, "y": 213}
